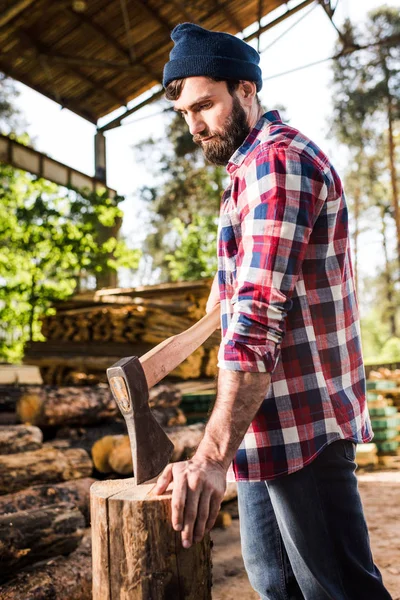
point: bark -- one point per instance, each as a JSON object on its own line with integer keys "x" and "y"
{"x": 62, "y": 578}
{"x": 137, "y": 554}
{"x": 48, "y": 406}
{"x": 72, "y": 492}
{"x": 388, "y": 280}
{"x": 61, "y": 530}
{"x": 46, "y": 465}
{"x": 19, "y": 438}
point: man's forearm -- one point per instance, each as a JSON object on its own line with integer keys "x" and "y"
{"x": 239, "y": 397}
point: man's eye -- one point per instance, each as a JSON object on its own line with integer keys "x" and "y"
{"x": 205, "y": 106}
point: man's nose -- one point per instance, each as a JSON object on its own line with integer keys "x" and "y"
{"x": 196, "y": 124}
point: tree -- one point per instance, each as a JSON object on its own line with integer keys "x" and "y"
{"x": 367, "y": 94}
{"x": 366, "y": 99}
{"x": 184, "y": 201}
{"x": 49, "y": 242}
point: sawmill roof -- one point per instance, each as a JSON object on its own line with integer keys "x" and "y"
{"x": 96, "y": 56}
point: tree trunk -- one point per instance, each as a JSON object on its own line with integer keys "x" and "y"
{"x": 47, "y": 465}
{"x": 29, "y": 536}
{"x": 392, "y": 159}
{"x": 62, "y": 578}
{"x": 19, "y": 438}
{"x": 48, "y": 406}
{"x": 388, "y": 280}
{"x": 72, "y": 492}
{"x": 357, "y": 196}
{"x": 136, "y": 553}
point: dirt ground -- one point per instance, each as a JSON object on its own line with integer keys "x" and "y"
{"x": 380, "y": 493}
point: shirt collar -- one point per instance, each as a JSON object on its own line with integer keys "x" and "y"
{"x": 272, "y": 116}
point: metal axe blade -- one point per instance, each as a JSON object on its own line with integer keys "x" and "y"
{"x": 129, "y": 388}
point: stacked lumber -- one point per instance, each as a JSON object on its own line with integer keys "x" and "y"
{"x": 128, "y": 322}
{"x": 61, "y": 578}
{"x": 383, "y": 396}
{"x": 44, "y": 499}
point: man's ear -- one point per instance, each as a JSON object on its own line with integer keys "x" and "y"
{"x": 247, "y": 89}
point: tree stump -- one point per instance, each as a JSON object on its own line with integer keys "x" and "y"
{"x": 136, "y": 553}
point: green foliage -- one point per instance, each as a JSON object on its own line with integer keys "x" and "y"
{"x": 50, "y": 241}
{"x": 196, "y": 254}
{"x": 374, "y": 334}
{"x": 184, "y": 199}
{"x": 365, "y": 85}
{"x": 391, "y": 350}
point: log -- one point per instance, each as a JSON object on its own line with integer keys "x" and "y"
{"x": 32, "y": 535}
{"x": 88, "y": 405}
{"x": 48, "y": 406}
{"x": 8, "y": 418}
{"x": 72, "y": 492}
{"x": 62, "y": 578}
{"x": 9, "y": 395}
{"x": 136, "y": 553}
{"x": 46, "y": 465}
{"x": 19, "y": 438}
{"x": 85, "y": 437}
{"x": 113, "y": 453}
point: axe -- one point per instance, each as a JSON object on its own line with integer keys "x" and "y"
{"x": 130, "y": 380}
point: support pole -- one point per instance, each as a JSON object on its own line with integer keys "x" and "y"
{"x": 100, "y": 165}
{"x": 136, "y": 553}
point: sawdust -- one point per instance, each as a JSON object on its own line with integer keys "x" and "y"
{"x": 380, "y": 492}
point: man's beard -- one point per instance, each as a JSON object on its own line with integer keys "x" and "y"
{"x": 219, "y": 150}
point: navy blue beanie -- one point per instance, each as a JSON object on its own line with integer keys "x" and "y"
{"x": 200, "y": 52}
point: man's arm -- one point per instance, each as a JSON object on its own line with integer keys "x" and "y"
{"x": 199, "y": 484}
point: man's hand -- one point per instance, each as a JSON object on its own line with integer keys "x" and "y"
{"x": 198, "y": 489}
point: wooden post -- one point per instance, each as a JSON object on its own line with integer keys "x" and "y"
{"x": 136, "y": 553}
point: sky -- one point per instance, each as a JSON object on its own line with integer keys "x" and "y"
{"x": 305, "y": 94}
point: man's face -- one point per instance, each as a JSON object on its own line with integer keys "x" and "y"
{"x": 217, "y": 121}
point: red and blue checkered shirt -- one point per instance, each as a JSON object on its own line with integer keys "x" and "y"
{"x": 288, "y": 304}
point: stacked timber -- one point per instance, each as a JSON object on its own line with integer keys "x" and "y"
{"x": 91, "y": 331}
{"x": 44, "y": 500}
{"x": 383, "y": 396}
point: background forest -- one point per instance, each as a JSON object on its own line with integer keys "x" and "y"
{"x": 53, "y": 242}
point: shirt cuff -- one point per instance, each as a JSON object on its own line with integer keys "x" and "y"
{"x": 235, "y": 356}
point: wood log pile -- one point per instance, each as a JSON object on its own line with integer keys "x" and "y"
{"x": 58, "y": 442}
{"x": 91, "y": 331}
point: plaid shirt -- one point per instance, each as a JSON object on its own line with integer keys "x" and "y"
{"x": 288, "y": 302}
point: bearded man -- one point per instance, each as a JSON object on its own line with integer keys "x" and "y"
{"x": 291, "y": 402}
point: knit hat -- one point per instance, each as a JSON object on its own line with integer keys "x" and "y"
{"x": 200, "y": 52}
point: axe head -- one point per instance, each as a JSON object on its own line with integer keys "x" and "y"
{"x": 151, "y": 448}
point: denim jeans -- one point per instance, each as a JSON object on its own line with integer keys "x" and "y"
{"x": 304, "y": 535}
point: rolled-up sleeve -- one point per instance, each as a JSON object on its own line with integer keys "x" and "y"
{"x": 278, "y": 201}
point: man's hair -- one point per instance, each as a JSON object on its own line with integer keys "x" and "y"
{"x": 174, "y": 88}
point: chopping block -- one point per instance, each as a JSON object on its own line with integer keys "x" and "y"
{"x": 136, "y": 553}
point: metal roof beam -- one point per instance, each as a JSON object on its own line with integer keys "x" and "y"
{"x": 326, "y": 5}
{"x": 117, "y": 122}
{"x": 278, "y": 20}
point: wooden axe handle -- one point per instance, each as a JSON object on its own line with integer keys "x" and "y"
{"x": 165, "y": 357}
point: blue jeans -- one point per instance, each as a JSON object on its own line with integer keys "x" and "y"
{"x": 304, "y": 536}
